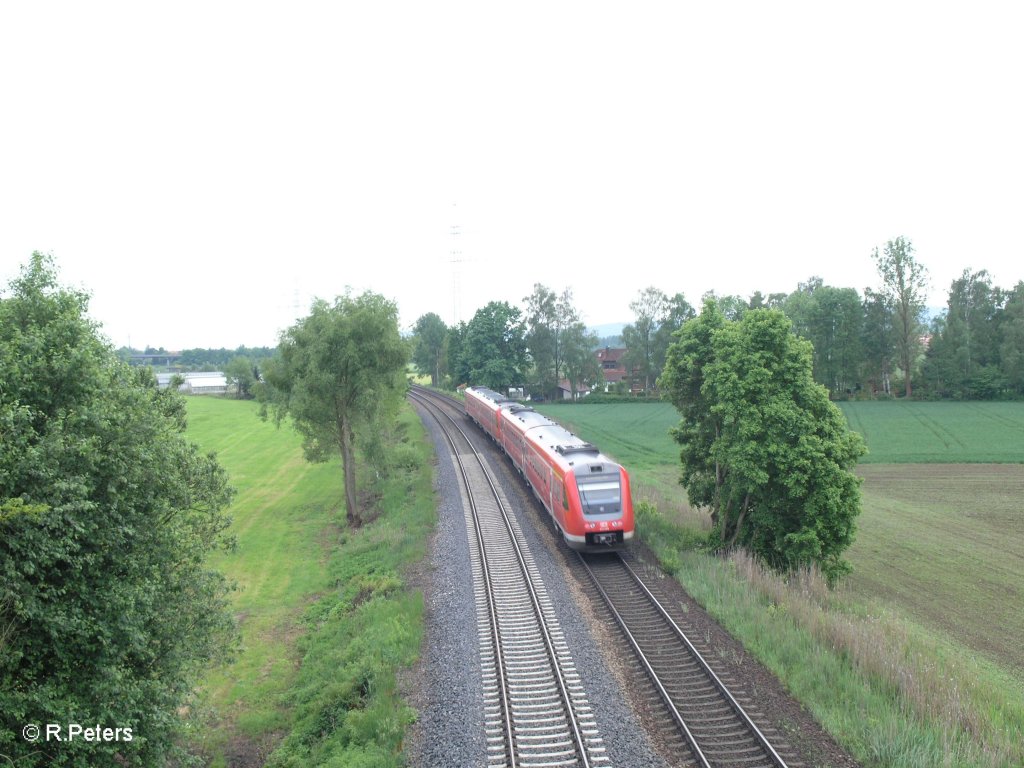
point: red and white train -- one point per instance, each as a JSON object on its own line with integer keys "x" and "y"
{"x": 586, "y": 493}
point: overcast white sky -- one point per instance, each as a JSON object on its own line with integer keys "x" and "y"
{"x": 204, "y": 168}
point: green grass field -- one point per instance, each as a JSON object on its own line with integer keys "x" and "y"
{"x": 895, "y": 432}
{"x": 944, "y": 433}
{"x": 285, "y": 521}
{"x": 324, "y": 614}
{"x": 939, "y": 548}
{"x": 945, "y": 543}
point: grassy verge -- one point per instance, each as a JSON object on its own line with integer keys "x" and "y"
{"x": 891, "y": 692}
{"x": 325, "y": 613}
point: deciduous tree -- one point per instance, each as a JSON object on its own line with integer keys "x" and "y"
{"x": 494, "y": 349}
{"x": 762, "y": 445}
{"x": 1011, "y": 338}
{"x": 108, "y": 610}
{"x": 339, "y": 376}
{"x": 430, "y": 334}
{"x": 967, "y": 340}
{"x": 677, "y": 311}
{"x": 879, "y": 346}
{"x": 580, "y": 361}
{"x": 548, "y": 319}
{"x": 639, "y": 336}
{"x": 241, "y": 373}
{"x": 904, "y": 282}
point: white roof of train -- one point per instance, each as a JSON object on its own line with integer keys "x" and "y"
{"x": 555, "y": 437}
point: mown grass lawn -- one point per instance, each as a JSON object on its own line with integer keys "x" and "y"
{"x": 285, "y": 518}
{"x": 325, "y": 616}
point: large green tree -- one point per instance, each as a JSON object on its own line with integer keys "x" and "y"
{"x": 832, "y": 319}
{"x": 493, "y": 350}
{"x": 458, "y": 364}
{"x": 878, "y": 342}
{"x": 963, "y": 356}
{"x": 1011, "y": 338}
{"x": 904, "y": 282}
{"x": 762, "y": 445}
{"x": 339, "y": 376}
{"x": 581, "y": 363}
{"x": 549, "y": 320}
{"x": 242, "y": 373}
{"x": 108, "y": 611}
{"x": 649, "y": 308}
{"x": 677, "y": 310}
{"x": 429, "y": 336}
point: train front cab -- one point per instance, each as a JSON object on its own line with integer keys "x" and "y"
{"x": 598, "y": 505}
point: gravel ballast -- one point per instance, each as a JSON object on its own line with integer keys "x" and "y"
{"x": 448, "y": 687}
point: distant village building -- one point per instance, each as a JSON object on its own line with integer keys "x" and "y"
{"x": 566, "y": 391}
{"x": 613, "y": 367}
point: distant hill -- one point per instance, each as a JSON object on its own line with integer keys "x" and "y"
{"x": 608, "y": 329}
{"x": 608, "y": 334}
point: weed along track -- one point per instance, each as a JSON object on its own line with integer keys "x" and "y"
{"x": 713, "y": 724}
{"x": 536, "y": 711}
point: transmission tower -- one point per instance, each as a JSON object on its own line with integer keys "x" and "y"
{"x": 456, "y": 262}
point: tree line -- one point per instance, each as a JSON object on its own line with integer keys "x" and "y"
{"x": 879, "y": 343}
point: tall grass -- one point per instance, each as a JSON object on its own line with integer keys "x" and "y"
{"x": 346, "y": 698}
{"x": 890, "y": 692}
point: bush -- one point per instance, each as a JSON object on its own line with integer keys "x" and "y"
{"x": 107, "y": 514}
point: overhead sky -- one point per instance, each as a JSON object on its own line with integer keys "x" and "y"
{"x": 206, "y": 168}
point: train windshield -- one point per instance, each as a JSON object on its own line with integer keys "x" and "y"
{"x": 601, "y": 494}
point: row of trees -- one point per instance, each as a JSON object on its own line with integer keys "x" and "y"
{"x": 873, "y": 342}
{"x": 868, "y": 344}
{"x": 198, "y": 358}
{"x": 857, "y": 342}
{"x": 502, "y": 347}
{"x": 977, "y": 346}
{"x": 108, "y": 612}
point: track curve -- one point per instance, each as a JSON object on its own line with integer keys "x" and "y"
{"x": 537, "y": 713}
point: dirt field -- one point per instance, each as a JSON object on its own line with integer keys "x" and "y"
{"x": 945, "y": 542}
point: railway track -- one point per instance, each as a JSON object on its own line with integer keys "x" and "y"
{"x": 718, "y": 731}
{"x": 712, "y": 725}
{"x": 536, "y": 711}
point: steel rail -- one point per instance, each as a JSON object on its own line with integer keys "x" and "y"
{"x": 489, "y": 588}
{"x": 759, "y": 737}
{"x": 666, "y": 697}
{"x": 730, "y": 699}
{"x": 579, "y": 742}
